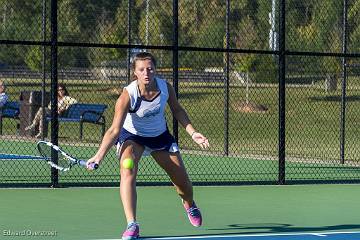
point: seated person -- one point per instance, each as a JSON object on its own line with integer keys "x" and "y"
{"x": 3, "y": 96}
{"x": 64, "y": 102}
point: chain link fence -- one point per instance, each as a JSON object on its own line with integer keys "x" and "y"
{"x": 274, "y": 85}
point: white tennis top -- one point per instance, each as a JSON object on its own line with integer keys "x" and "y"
{"x": 146, "y": 118}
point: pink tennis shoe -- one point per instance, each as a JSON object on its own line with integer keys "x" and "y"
{"x": 131, "y": 232}
{"x": 194, "y": 215}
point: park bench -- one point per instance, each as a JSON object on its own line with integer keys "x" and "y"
{"x": 78, "y": 112}
{"x": 10, "y": 110}
{"x": 84, "y": 113}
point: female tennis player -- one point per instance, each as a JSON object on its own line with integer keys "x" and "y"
{"x": 139, "y": 127}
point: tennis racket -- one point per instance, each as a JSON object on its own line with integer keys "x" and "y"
{"x": 65, "y": 160}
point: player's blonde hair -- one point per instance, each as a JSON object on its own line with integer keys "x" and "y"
{"x": 141, "y": 57}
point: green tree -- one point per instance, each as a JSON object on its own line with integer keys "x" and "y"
{"x": 159, "y": 22}
{"x": 90, "y": 12}
{"x": 207, "y": 29}
{"x": 112, "y": 31}
{"x": 354, "y": 26}
{"x": 68, "y": 30}
{"x": 20, "y": 20}
{"x": 264, "y": 67}
{"x": 245, "y": 38}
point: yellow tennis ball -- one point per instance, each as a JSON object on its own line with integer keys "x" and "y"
{"x": 128, "y": 163}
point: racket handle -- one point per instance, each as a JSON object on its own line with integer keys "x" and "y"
{"x": 92, "y": 165}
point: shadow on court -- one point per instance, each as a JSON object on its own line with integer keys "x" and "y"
{"x": 281, "y": 228}
{"x": 266, "y": 228}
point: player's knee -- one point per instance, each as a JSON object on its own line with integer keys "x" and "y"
{"x": 128, "y": 153}
{"x": 127, "y": 174}
{"x": 184, "y": 186}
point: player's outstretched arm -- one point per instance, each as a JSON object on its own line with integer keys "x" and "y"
{"x": 180, "y": 114}
{"x": 121, "y": 109}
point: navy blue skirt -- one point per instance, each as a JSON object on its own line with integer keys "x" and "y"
{"x": 164, "y": 141}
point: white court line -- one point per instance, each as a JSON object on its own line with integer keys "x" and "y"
{"x": 320, "y": 234}
{"x": 13, "y": 157}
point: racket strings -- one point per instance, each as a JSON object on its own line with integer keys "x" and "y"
{"x": 46, "y": 151}
{"x": 58, "y": 158}
{"x": 63, "y": 161}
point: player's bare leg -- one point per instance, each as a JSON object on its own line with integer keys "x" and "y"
{"x": 128, "y": 193}
{"x": 175, "y": 168}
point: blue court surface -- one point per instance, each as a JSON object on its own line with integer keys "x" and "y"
{"x": 287, "y": 236}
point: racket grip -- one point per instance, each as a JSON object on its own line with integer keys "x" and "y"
{"x": 92, "y": 165}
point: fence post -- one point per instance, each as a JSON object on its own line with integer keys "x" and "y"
{"x": 176, "y": 61}
{"x": 226, "y": 81}
{"x": 343, "y": 90}
{"x": 282, "y": 65}
{"x": 54, "y": 85}
{"x": 43, "y": 86}
{"x": 129, "y": 43}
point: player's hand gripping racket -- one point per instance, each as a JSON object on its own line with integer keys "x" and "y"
{"x": 65, "y": 161}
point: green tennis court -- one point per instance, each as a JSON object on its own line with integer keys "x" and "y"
{"x": 210, "y": 168}
{"x": 273, "y": 85}
{"x": 203, "y": 169}
{"x": 96, "y": 213}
